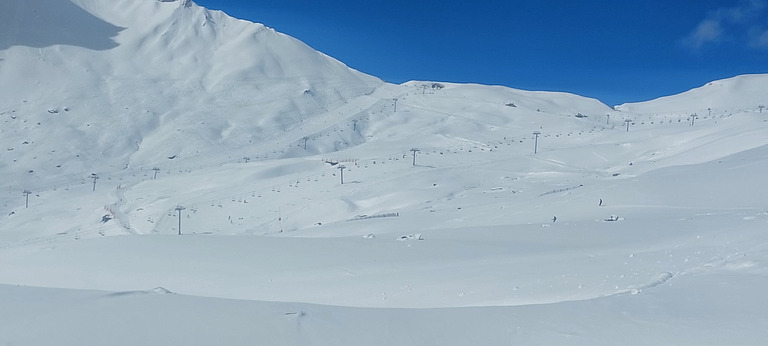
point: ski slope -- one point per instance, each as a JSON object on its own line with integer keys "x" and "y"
{"x": 178, "y": 181}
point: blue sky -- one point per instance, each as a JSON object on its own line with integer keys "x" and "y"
{"x": 615, "y": 51}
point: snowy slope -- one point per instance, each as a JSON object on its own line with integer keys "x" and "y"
{"x": 727, "y": 96}
{"x": 634, "y": 225}
{"x": 167, "y": 79}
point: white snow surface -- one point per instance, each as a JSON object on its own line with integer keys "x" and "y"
{"x": 182, "y": 175}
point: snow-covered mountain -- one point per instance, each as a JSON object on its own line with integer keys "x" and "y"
{"x": 129, "y": 83}
{"x": 318, "y": 205}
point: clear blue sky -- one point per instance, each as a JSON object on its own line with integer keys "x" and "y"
{"x": 615, "y": 51}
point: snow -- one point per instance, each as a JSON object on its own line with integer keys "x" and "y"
{"x": 728, "y": 96}
{"x": 172, "y": 105}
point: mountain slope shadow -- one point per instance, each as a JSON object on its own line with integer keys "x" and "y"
{"x": 40, "y": 24}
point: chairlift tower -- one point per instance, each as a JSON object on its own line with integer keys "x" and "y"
{"x": 94, "y": 176}
{"x": 178, "y": 211}
{"x": 536, "y": 141}
{"x": 341, "y": 169}
{"x": 414, "y": 150}
{"x": 628, "y": 122}
{"x": 27, "y": 193}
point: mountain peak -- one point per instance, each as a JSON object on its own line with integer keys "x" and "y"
{"x": 184, "y": 3}
{"x": 143, "y": 80}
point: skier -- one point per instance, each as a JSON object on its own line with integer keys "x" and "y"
{"x": 554, "y": 218}
{"x": 601, "y": 203}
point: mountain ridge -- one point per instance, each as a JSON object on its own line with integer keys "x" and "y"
{"x": 176, "y": 84}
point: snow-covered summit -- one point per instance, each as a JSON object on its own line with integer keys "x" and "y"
{"x": 128, "y": 83}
